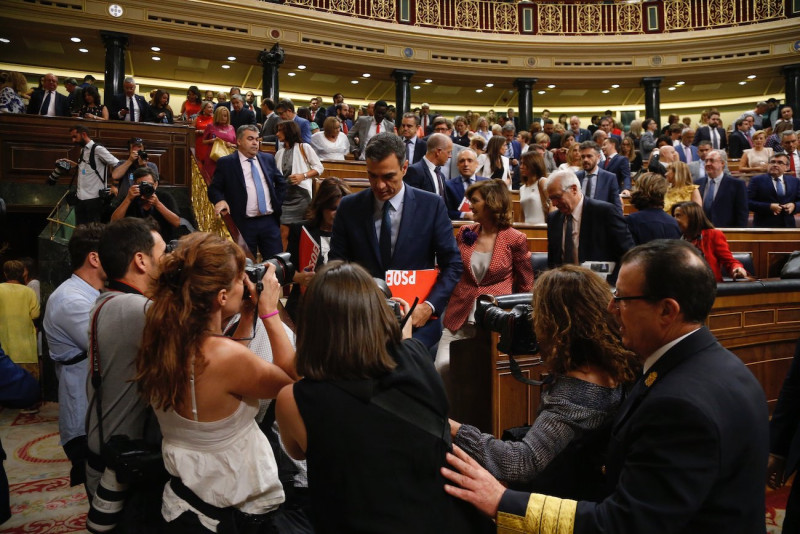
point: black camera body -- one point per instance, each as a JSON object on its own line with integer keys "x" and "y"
{"x": 62, "y": 168}
{"x": 514, "y": 326}
{"x": 284, "y": 270}
{"x": 146, "y": 189}
{"x": 143, "y": 155}
{"x": 393, "y": 304}
{"x": 105, "y": 194}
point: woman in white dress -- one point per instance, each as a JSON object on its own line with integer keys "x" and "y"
{"x": 755, "y": 159}
{"x": 532, "y": 195}
{"x": 331, "y": 142}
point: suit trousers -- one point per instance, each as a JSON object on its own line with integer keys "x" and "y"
{"x": 262, "y": 234}
{"x": 89, "y": 210}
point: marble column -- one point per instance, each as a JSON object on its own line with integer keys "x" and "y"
{"x": 402, "y": 92}
{"x": 525, "y": 109}
{"x": 791, "y": 74}
{"x": 271, "y": 60}
{"x": 115, "y": 44}
{"x": 652, "y": 98}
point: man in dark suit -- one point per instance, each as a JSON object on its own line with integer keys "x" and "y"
{"x": 739, "y": 142}
{"x": 455, "y": 188}
{"x": 512, "y": 118}
{"x": 618, "y": 165}
{"x": 427, "y": 173}
{"x": 49, "y": 102}
{"x": 596, "y": 183}
{"x": 687, "y": 445}
{"x": 342, "y": 112}
{"x": 786, "y": 114}
{"x": 393, "y": 226}
{"x": 774, "y": 197}
{"x": 129, "y": 106}
{"x": 239, "y": 115}
{"x": 513, "y": 151}
{"x": 415, "y": 147}
{"x": 271, "y": 120}
{"x": 249, "y": 187}
{"x": 426, "y": 118}
{"x": 368, "y": 126}
{"x": 581, "y": 134}
{"x": 687, "y": 152}
{"x": 251, "y": 105}
{"x": 598, "y": 231}
{"x": 285, "y": 110}
{"x": 784, "y": 449}
{"x": 713, "y": 133}
{"x": 724, "y": 197}
{"x": 317, "y": 113}
{"x": 338, "y": 98}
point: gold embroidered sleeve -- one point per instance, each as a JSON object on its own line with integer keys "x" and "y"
{"x": 544, "y": 515}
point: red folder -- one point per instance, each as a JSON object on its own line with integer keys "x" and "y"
{"x": 465, "y": 206}
{"x": 409, "y": 285}
{"x": 309, "y": 253}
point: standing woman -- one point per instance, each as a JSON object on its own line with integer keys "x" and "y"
{"x": 370, "y": 468}
{"x": 698, "y": 230}
{"x": 318, "y": 223}
{"x": 681, "y": 187}
{"x": 532, "y": 196}
{"x": 18, "y": 309}
{"x": 203, "y": 120}
{"x": 192, "y": 105}
{"x": 204, "y": 386}
{"x": 299, "y": 164}
{"x": 221, "y": 127}
{"x": 628, "y": 149}
{"x": 573, "y": 159}
{"x": 496, "y": 261}
{"x": 560, "y": 153}
{"x": 648, "y": 141}
{"x": 331, "y": 142}
{"x": 160, "y": 112}
{"x": 495, "y": 164}
{"x": 14, "y": 89}
{"x": 482, "y": 129}
{"x": 755, "y": 159}
{"x": 92, "y": 107}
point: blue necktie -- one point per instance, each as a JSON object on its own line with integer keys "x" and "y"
{"x": 779, "y": 187}
{"x": 385, "y": 242}
{"x": 709, "y": 200}
{"x": 45, "y": 104}
{"x": 262, "y": 200}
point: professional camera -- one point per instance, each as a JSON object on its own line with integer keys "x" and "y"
{"x": 393, "y": 304}
{"x": 105, "y": 194}
{"x": 142, "y": 155}
{"x": 146, "y": 189}
{"x": 61, "y": 168}
{"x": 515, "y": 326}
{"x": 284, "y": 270}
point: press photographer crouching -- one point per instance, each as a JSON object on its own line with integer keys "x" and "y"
{"x": 130, "y": 250}
{"x": 142, "y": 201}
{"x": 563, "y": 452}
{"x": 204, "y": 386}
{"x": 93, "y": 192}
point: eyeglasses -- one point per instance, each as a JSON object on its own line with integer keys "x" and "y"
{"x": 617, "y": 298}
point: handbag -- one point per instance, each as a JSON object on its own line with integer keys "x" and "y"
{"x": 219, "y": 148}
{"x": 791, "y": 269}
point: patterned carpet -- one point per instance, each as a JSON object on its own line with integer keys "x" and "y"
{"x": 38, "y": 474}
{"x": 43, "y": 503}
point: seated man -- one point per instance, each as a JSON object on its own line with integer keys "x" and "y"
{"x": 142, "y": 201}
{"x": 689, "y": 445}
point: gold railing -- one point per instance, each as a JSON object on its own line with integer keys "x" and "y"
{"x": 568, "y": 17}
{"x": 207, "y": 220}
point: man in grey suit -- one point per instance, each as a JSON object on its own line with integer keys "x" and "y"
{"x": 367, "y": 127}
{"x": 698, "y": 167}
{"x": 271, "y": 120}
{"x": 444, "y": 126}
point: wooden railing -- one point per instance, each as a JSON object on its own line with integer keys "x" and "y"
{"x": 567, "y": 17}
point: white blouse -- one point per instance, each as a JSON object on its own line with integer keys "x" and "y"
{"x": 531, "y": 202}
{"x": 330, "y": 150}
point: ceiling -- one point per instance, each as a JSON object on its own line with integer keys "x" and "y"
{"x": 34, "y": 49}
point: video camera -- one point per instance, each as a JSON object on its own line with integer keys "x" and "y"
{"x": 515, "y": 326}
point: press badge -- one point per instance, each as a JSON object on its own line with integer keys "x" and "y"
{"x": 84, "y": 171}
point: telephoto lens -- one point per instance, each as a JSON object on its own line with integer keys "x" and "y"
{"x": 106, "y": 508}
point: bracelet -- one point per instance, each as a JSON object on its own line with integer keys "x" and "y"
{"x": 268, "y": 315}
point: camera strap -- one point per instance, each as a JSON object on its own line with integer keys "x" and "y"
{"x": 93, "y": 164}
{"x": 516, "y": 372}
{"x": 97, "y": 379}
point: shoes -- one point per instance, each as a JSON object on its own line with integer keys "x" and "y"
{"x": 30, "y": 410}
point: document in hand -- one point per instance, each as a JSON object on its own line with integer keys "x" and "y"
{"x": 409, "y": 285}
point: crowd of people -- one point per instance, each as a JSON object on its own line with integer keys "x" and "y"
{"x": 179, "y": 347}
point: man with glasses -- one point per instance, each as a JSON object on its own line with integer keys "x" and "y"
{"x": 583, "y": 229}
{"x": 444, "y": 126}
{"x": 415, "y": 147}
{"x": 688, "y": 445}
{"x": 774, "y": 197}
{"x": 285, "y": 110}
{"x": 724, "y": 197}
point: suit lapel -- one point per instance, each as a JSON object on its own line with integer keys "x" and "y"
{"x": 407, "y": 218}
{"x": 367, "y": 208}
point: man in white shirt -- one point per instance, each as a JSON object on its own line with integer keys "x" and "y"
{"x": 49, "y": 103}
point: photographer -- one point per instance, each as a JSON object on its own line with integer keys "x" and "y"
{"x": 93, "y": 190}
{"x": 204, "y": 387}
{"x": 142, "y": 201}
{"x": 562, "y": 453}
{"x": 136, "y": 159}
{"x": 130, "y": 251}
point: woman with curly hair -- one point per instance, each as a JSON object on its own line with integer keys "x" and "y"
{"x": 580, "y": 346}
